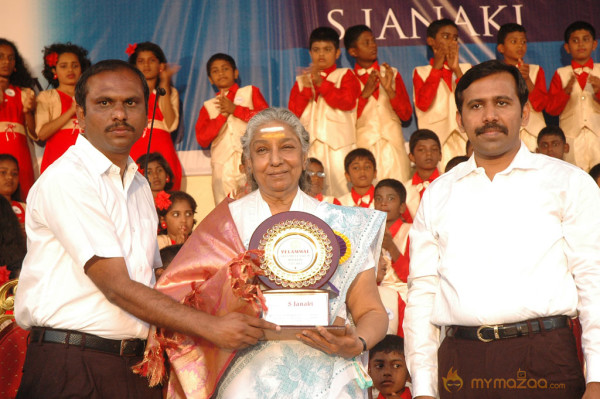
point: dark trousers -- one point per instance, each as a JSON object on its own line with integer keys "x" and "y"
{"x": 62, "y": 371}
{"x": 543, "y": 365}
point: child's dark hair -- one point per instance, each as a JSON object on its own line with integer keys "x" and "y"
{"x": 508, "y": 28}
{"x": 595, "y": 172}
{"x": 59, "y": 49}
{"x": 174, "y": 197}
{"x": 359, "y": 153}
{"x": 579, "y": 25}
{"x": 435, "y": 26}
{"x": 16, "y": 196}
{"x": 394, "y": 185}
{"x": 455, "y": 161}
{"x": 324, "y": 34}
{"x": 168, "y": 253}
{"x": 422, "y": 134}
{"x": 148, "y": 46}
{"x": 352, "y": 34}
{"x": 12, "y": 241}
{"x": 21, "y": 76}
{"x": 390, "y": 343}
{"x": 551, "y": 131}
{"x": 315, "y": 160}
{"x": 157, "y": 157}
{"x": 220, "y": 56}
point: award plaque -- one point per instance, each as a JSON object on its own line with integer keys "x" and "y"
{"x": 301, "y": 254}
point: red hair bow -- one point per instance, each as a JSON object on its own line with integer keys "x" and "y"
{"x": 131, "y": 49}
{"x": 51, "y": 59}
{"x": 162, "y": 200}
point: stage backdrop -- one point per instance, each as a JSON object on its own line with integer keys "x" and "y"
{"x": 268, "y": 38}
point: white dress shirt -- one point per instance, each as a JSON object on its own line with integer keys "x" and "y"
{"x": 80, "y": 208}
{"x": 522, "y": 246}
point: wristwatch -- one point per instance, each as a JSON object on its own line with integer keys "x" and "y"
{"x": 364, "y": 343}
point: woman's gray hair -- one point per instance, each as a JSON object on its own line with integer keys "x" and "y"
{"x": 282, "y": 115}
{"x": 269, "y": 115}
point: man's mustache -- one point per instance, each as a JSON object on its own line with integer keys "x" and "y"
{"x": 488, "y": 127}
{"x": 119, "y": 125}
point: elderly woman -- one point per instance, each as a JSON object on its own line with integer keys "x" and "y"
{"x": 318, "y": 364}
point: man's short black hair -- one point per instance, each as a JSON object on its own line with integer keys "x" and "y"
{"x": 422, "y": 134}
{"x": 223, "y": 57}
{"x": 455, "y": 161}
{"x": 508, "y": 28}
{"x": 394, "y": 185}
{"x": 359, "y": 153}
{"x": 353, "y": 33}
{"x": 81, "y": 89}
{"x": 579, "y": 25}
{"x": 390, "y": 343}
{"x": 484, "y": 70}
{"x": 324, "y": 34}
{"x": 551, "y": 131}
{"x": 435, "y": 26}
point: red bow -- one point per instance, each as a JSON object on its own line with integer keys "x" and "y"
{"x": 162, "y": 200}
{"x": 51, "y": 59}
{"x": 131, "y": 49}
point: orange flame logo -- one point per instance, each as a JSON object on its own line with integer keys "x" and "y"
{"x": 452, "y": 382}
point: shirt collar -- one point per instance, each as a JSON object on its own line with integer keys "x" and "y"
{"x": 589, "y": 64}
{"x": 232, "y": 89}
{"x": 327, "y": 71}
{"x": 524, "y": 159}
{"x": 374, "y": 66}
{"x": 100, "y": 164}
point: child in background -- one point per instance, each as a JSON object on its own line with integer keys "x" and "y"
{"x": 433, "y": 88}
{"x": 551, "y": 141}
{"x": 167, "y": 254}
{"x": 9, "y": 186}
{"x": 176, "y": 217}
{"x": 382, "y": 104}
{"x": 151, "y": 61}
{"x": 316, "y": 176}
{"x": 17, "y": 120}
{"x": 160, "y": 176}
{"x": 595, "y": 173}
{"x": 455, "y": 161}
{"x": 512, "y": 44}
{"x": 575, "y": 95}
{"x": 55, "y": 119}
{"x": 324, "y": 98}
{"x": 387, "y": 368}
{"x": 361, "y": 171}
{"x": 222, "y": 122}
{"x": 425, "y": 152}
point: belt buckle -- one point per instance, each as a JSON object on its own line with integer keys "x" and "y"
{"x": 122, "y": 348}
{"x": 480, "y": 337}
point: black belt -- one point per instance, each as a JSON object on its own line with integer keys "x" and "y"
{"x": 502, "y": 331}
{"x": 126, "y": 347}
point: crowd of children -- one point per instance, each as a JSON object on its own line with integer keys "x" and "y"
{"x": 354, "y": 117}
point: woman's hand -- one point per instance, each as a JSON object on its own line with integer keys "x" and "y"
{"x": 346, "y": 346}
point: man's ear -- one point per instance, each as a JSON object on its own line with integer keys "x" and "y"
{"x": 338, "y": 52}
{"x": 347, "y": 177}
{"x": 352, "y": 52}
{"x": 80, "y": 116}
{"x": 525, "y": 114}
{"x": 567, "y": 148}
{"x": 430, "y": 42}
{"x": 459, "y": 122}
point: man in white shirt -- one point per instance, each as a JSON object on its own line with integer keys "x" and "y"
{"x": 504, "y": 251}
{"x": 85, "y": 287}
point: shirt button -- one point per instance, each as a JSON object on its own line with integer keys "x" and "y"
{"x": 583, "y": 97}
